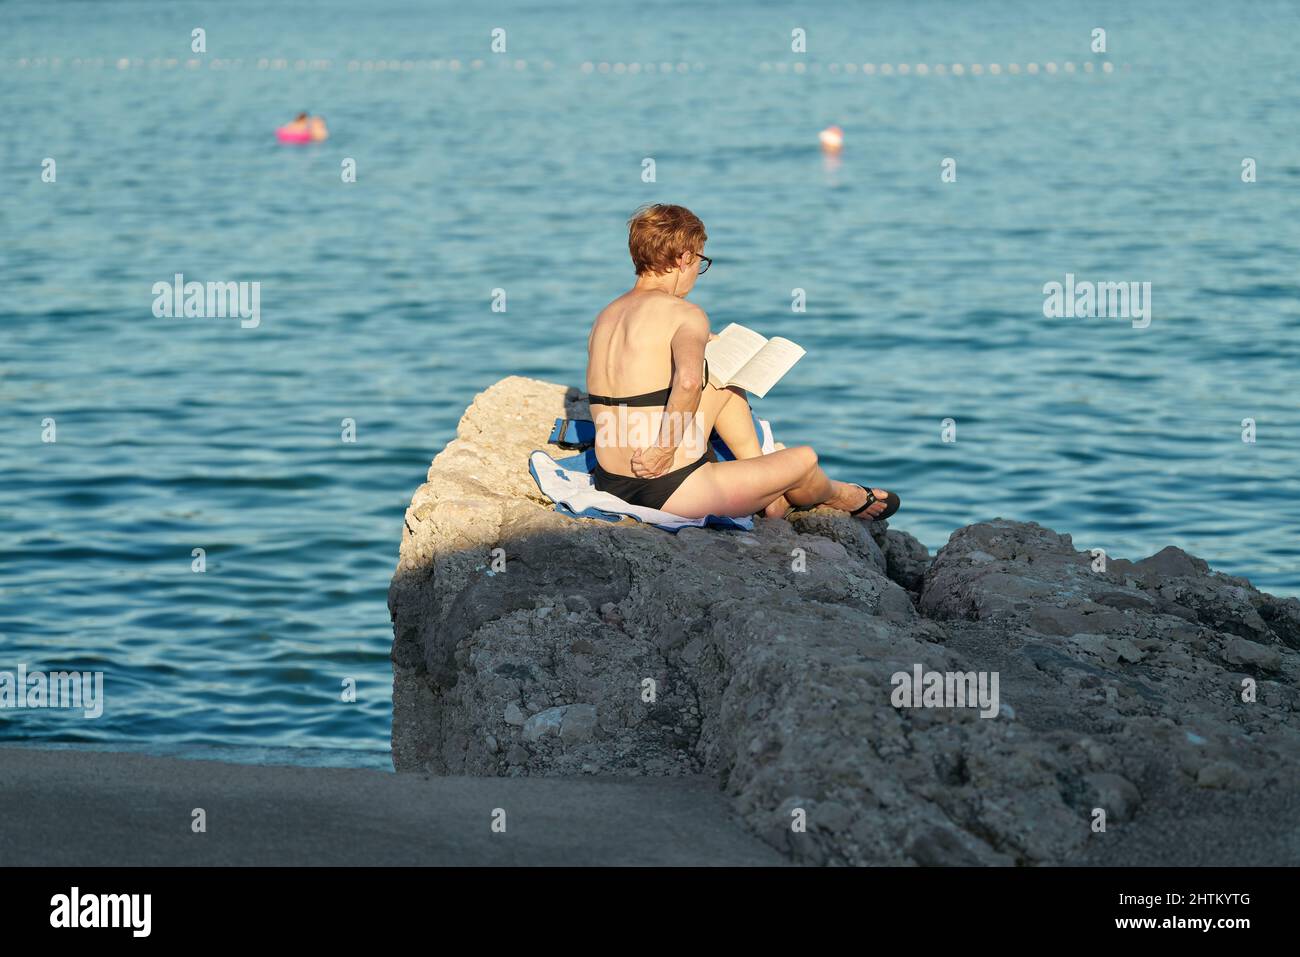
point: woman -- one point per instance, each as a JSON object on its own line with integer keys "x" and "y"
{"x": 651, "y": 438}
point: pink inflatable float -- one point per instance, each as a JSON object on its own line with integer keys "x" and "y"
{"x": 286, "y": 135}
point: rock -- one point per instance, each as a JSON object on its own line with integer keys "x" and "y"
{"x": 638, "y": 652}
{"x": 1125, "y": 650}
{"x": 906, "y": 559}
{"x": 1115, "y": 794}
{"x": 1168, "y": 563}
{"x": 543, "y": 723}
{"x": 579, "y": 723}
{"x": 1241, "y": 651}
{"x": 940, "y": 847}
{"x": 1222, "y": 774}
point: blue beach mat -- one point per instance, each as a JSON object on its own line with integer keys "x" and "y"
{"x": 567, "y": 482}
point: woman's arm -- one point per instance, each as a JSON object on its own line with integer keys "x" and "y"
{"x": 684, "y": 398}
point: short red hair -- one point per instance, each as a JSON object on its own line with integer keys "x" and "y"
{"x": 657, "y": 234}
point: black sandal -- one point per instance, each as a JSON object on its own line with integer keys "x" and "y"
{"x": 892, "y": 502}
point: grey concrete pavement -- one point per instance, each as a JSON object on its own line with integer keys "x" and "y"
{"x": 79, "y": 808}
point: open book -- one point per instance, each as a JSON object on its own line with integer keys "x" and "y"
{"x": 743, "y": 358}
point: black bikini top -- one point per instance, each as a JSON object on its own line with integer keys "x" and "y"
{"x": 658, "y": 397}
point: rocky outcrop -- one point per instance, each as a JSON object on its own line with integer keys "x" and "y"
{"x": 1145, "y": 711}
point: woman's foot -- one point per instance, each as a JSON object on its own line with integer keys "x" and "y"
{"x": 852, "y": 498}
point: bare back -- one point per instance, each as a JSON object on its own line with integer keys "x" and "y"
{"x": 630, "y": 353}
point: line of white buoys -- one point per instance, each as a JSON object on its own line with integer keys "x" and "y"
{"x": 521, "y": 65}
{"x": 938, "y": 69}
{"x": 352, "y": 66}
{"x": 634, "y": 69}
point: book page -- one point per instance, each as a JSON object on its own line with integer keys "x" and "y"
{"x": 767, "y": 366}
{"x": 728, "y": 353}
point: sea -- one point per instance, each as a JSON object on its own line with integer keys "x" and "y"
{"x": 207, "y": 508}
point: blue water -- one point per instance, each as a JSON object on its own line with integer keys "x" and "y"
{"x": 924, "y": 299}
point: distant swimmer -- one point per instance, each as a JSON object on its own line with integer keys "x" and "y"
{"x": 303, "y": 129}
{"x": 832, "y": 139}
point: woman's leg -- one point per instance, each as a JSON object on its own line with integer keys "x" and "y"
{"x": 746, "y": 486}
{"x": 735, "y": 425}
{"x": 725, "y": 410}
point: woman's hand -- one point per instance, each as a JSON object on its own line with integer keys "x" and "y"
{"x": 651, "y": 462}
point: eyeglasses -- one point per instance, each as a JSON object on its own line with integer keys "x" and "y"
{"x": 705, "y": 263}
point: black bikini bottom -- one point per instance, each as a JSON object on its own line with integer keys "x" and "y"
{"x": 648, "y": 493}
